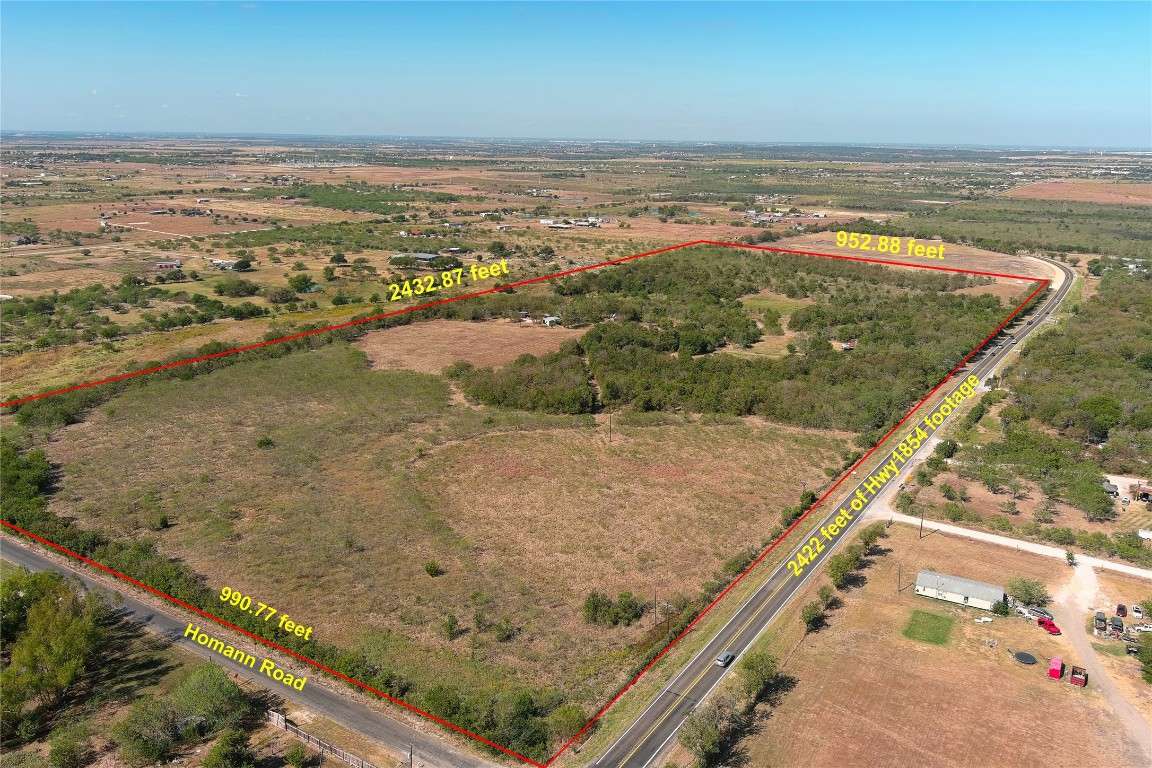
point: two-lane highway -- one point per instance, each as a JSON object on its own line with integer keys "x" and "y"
{"x": 649, "y": 735}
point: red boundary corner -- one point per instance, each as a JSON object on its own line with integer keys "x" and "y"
{"x": 1043, "y": 284}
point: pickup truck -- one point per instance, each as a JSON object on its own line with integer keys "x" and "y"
{"x": 1048, "y": 626}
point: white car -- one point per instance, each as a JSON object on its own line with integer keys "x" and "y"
{"x": 984, "y": 620}
{"x": 1143, "y": 628}
{"x": 1137, "y": 612}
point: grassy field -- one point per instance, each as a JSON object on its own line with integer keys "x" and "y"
{"x": 322, "y": 487}
{"x": 929, "y": 627}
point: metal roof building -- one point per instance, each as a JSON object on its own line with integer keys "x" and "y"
{"x": 956, "y": 589}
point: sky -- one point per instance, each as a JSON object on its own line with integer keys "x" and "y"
{"x": 1021, "y": 74}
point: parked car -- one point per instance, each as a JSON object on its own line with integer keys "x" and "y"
{"x": 1142, "y": 628}
{"x": 1116, "y": 624}
{"x": 1125, "y": 501}
{"x": 1100, "y": 621}
{"x": 1038, "y": 613}
{"x": 1132, "y": 650}
{"x": 1121, "y": 610}
{"x": 725, "y": 659}
{"x": 1137, "y": 612}
{"x": 1048, "y": 626}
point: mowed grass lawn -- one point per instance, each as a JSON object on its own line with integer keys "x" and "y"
{"x": 929, "y": 627}
{"x": 322, "y": 488}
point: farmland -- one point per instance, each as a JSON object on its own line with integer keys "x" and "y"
{"x": 491, "y": 519}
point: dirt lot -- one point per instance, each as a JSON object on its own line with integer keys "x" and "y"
{"x": 1114, "y": 588}
{"x": 1086, "y": 191}
{"x": 868, "y": 696}
{"x": 955, "y": 257}
{"x": 428, "y": 347}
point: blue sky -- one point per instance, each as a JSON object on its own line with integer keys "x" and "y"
{"x": 1037, "y": 74}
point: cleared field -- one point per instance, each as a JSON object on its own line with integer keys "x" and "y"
{"x": 369, "y": 475}
{"x": 1086, "y": 191}
{"x": 428, "y": 347}
{"x": 868, "y": 696}
{"x": 955, "y": 257}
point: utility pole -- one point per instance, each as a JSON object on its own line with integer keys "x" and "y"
{"x": 609, "y": 426}
{"x": 921, "y": 522}
{"x": 899, "y": 577}
{"x": 411, "y": 759}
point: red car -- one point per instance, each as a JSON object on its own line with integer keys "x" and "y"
{"x": 1048, "y": 626}
{"x": 1121, "y": 610}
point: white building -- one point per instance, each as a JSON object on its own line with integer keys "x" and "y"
{"x": 956, "y": 589}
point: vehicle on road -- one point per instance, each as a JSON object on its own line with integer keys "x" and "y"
{"x": 1121, "y": 610}
{"x": 725, "y": 659}
{"x": 1125, "y": 501}
{"x": 1036, "y": 612}
{"x": 1048, "y": 626}
{"x": 1137, "y": 612}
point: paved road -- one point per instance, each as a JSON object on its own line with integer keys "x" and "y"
{"x": 431, "y": 750}
{"x": 651, "y": 733}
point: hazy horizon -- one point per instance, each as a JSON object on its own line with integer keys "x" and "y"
{"x": 996, "y": 75}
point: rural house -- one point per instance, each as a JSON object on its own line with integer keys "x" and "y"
{"x": 956, "y": 589}
{"x": 172, "y": 264}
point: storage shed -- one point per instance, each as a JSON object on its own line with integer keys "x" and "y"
{"x": 956, "y": 589}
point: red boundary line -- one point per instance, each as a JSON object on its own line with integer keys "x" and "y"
{"x": 1043, "y": 284}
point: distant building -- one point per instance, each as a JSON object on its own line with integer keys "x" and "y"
{"x": 169, "y": 264}
{"x": 551, "y": 320}
{"x": 956, "y": 589}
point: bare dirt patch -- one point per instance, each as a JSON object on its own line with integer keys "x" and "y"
{"x": 428, "y": 347}
{"x": 1086, "y": 191}
{"x": 866, "y": 695}
{"x": 955, "y": 257}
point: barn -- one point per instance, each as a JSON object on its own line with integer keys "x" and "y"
{"x": 956, "y": 589}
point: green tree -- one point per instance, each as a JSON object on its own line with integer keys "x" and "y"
{"x": 1028, "y": 591}
{"x": 301, "y": 283}
{"x": 813, "y": 616}
{"x": 451, "y": 626}
{"x": 758, "y": 670}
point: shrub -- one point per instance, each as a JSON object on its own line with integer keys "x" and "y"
{"x": 433, "y": 569}
{"x": 601, "y": 609}
{"x": 812, "y": 615}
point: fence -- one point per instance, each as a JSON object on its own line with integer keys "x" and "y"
{"x": 325, "y": 748}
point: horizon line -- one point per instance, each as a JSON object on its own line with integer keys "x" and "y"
{"x": 7, "y": 132}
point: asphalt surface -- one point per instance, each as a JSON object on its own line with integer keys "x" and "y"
{"x": 430, "y": 749}
{"x": 652, "y": 732}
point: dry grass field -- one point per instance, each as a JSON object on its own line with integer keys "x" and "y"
{"x": 428, "y": 347}
{"x": 372, "y": 474}
{"x": 1086, "y": 191}
{"x": 866, "y": 695}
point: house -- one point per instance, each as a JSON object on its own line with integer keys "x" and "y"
{"x": 1110, "y": 489}
{"x": 848, "y": 345}
{"x": 956, "y": 589}
{"x": 503, "y": 227}
{"x": 551, "y": 320}
{"x": 169, "y": 264}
